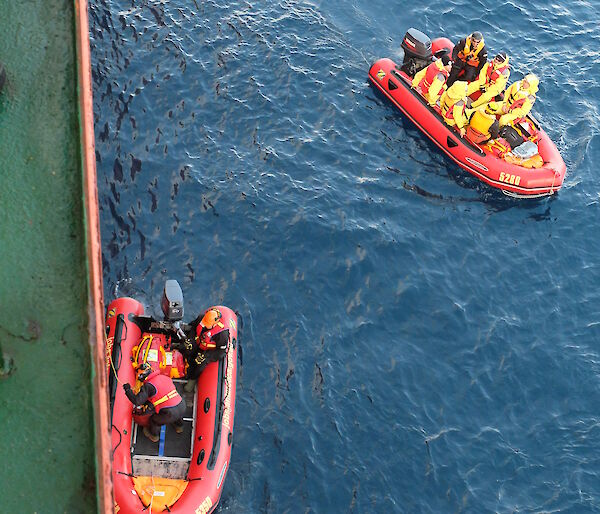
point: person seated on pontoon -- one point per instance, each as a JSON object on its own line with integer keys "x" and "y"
{"x": 518, "y": 100}
{"x": 208, "y": 342}
{"x": 431, "y": 81}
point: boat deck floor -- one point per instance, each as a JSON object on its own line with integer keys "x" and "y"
{"x": 171, "y": 444}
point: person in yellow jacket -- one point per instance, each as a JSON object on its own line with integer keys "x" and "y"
{"x": 482, "y": 127}
{"x": 453, "y": 105}
{"x": 518, "y": 100}
{"x": 492, "y": 80}
{"x": 431, "y": 81}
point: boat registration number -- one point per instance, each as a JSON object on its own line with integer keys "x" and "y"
{"x": 205, "y": 506}
{"x": 510, "y": 179}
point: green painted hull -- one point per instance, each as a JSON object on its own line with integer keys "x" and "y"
{"x": 46, "y": 421}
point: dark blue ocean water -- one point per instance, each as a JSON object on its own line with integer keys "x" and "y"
{"x": 413, "y": 341}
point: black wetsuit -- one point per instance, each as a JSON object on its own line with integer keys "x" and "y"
{"x": 197, "y": 358}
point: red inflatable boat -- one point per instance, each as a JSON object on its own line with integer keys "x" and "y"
{"x": 182, "y": 473}
{"x": 482, "y": 160}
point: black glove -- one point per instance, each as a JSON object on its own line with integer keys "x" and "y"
{"x": 126, "y": 387}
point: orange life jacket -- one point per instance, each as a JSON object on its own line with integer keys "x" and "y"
{"x": 515, "y": 104}
{"x": 166, "y": 395}
{"x": 204, "y": 339}
{"x": 432, "y": 71}
{"x": 449, "y": 114}
{"x": 151, "y": 350}
{"x": 479, "y": 127}
{"x": 475, "y": 136}
{"x": 471, "y": 55}
{"x": 493, "y": 74}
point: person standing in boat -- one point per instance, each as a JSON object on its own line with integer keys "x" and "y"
{"x": 453, "y": 105}
{"x": 157, "y": 394}
{"x": 468, "y": 55}
{"x": 492, "y": 80}
{"x": 518, "y": 100}
{"x": 209, "y": 344}
{"x": 431, "y": 81}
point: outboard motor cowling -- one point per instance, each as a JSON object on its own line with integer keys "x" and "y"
{"x": 172, "y": 301}
{"x": 417, "y": 51}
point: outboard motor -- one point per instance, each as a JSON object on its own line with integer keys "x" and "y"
{"x": 172, "y": 301}
{"x": 417, "y": 51}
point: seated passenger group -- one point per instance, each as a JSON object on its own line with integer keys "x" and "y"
{"x": 453, "y": 82}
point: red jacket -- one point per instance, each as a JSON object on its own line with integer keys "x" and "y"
{"x": 166, "y": 395}
{"x": 432, "y": 71}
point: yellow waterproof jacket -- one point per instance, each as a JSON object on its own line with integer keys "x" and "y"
{"x": 437, "y": 86}
{"x": 492, "y": 88}
{"x": 452, "y": 105}
{"x": 518, "y": 101}
{"x": 418, "y": 77}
